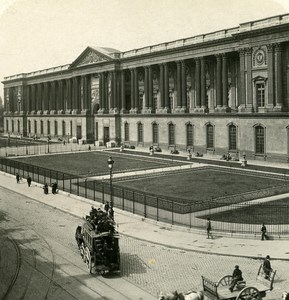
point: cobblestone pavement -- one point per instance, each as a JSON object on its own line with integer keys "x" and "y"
{"x": 149, "y": 266}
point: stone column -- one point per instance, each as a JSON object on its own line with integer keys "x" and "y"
{"x": 101, "y": 93}
{"x": 242, "y": 90}
{"x": 132, "y": 90}
{"x": 279, "y": 95}
{"x": 166, "y": 88}
{"x": 249, "y": 103}
{"x": 146, "y": 87}
{"x": 203, "y": 84}
{"x": 52, "y": 97}
{"x": 28, "y": 95}
{"x": 198, "y": 84}
{"x": 68, "y": 105}
{"x": 150, "y": 87}
{"x": 60, "y": 97}
{"x": 225, "y": 82}
{"x": 136, "y": 91}
{"x": 114, "y": 92}
{"x": 184, "y": 86}
{"x": 219, "y": 82}
{"x": 33, "y": 104}
{"x": 122, "y": 88}
{"x": 271, "y": 71}
{"x": 179, "y": 85}
{"x": 161, "y": 87}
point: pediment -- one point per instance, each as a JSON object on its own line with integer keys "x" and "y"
{"x": 90, "y": 56}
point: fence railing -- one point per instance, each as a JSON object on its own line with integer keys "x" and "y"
{"x": 234, "y": 214}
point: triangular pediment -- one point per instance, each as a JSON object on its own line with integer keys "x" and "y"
{"x": 92, "y": 56}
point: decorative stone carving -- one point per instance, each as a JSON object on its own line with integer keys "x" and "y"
{"x": 91, "y": 58}
{"x": 260, "y": 57}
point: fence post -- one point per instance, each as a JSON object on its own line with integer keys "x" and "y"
{"x": 145, "y": 205}
{"x": 77, "y": 186}
{"x": 157, "y": 208}
{"x": 122, "y": 198}
{"x": 172, "y": 212}
{"x": 133, "y": 208}
{"x": 93, "y": 190}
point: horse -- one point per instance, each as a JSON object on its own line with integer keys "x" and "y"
{"x": 285, "y": 296}
{"x": 191, "y": 295}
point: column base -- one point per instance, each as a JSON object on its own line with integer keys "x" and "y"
{"x": 84, "y": 112}
{"x": 75, "y": 112}
{"x": 33, "y": 112}
{"x": 46, "y": 112}
{"x": 162, "y": 110}
{"x": 60, "y": 112}
{"x": 123, "y": 111}
{"x": 113, "y": 111}
{"x": 179, "y": 110}
{"x": 133, "y": 111}
{"x": 39, "y": 112}
{"x": 278, "y": 108}
{"x": 68, "y": 111}
{"x": 146, "y": 110}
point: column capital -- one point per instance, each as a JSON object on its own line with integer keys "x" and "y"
{"x": 248, "y": 50}
{"x": 278, "y": 47}
{"x": 242, "y": 51}
{"x": 270, "y": 47}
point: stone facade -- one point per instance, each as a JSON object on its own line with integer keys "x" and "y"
{"x": 215, "y": 93}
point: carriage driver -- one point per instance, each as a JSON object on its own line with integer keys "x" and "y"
{"x": 237, "y": 276}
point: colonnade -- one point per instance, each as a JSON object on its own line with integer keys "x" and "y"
{"x": 119, "y": 90}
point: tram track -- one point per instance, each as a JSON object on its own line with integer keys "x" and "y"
{"x": 51, "y": 278}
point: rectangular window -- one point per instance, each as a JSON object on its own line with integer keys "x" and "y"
{"x": 189, "y": 135}
{"x": 171, "y": 134}
{"x": 171, "y": 99}
{"x": 155, "y": 134}
{"x": 55, "y": 128}
{"x": 155, "y": 100}
{"x": 12, "y": 125}
{"x": 126, "y": 132}
{"x": 141, "y": 100}
{"x": 48, "y": 127}
{"x": 260, "y": 140}
{"x": 96, "y": 131}
{"x": 140, "y": 133}
{"x": 260, "y": 89}
{"x": 18, "y": 126}
{"x": 232, "y": 138}
{"x": 210, "y": 136}
{"x": 7, "y": 125}
{"x": 35, "y": 126}
{"x": 41, "y": 126}
{"x": 63, "y": 128}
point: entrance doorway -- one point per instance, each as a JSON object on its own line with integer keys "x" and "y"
{"x": 105, "y": 135}
{"x": 78, "y": 132}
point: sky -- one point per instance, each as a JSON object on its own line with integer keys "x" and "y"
{"x": 40, "y": 34}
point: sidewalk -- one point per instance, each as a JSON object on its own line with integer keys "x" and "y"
{"x": 152, "y": 231}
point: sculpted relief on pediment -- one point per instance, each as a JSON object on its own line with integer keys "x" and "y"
{"x": 90, "y": 58}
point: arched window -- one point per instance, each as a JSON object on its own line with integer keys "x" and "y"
{"x": 126, "y": 132}
{"x": 189, "y": 133}
{"x": 210, "y": 136}
{"x": 171, "y": 134}
{"x": 259, "y": 140}
{"x": 155, "y": 129}
{"x": 232, "y": 137}
{"x": 140, "y": 133}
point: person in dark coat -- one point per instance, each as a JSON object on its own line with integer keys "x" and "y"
{"x": 267, "y": 267}
{"x": 264, "y": 233}
{"x": 237, "y": 276}
{"x": 54, "y": 188}
{"x": 106, "y": 207}
{"x": 45, "y": 188}
{"x": 17, "y": 178}
{"x": 111, "y": 212}
{"x": 29, "y": 180}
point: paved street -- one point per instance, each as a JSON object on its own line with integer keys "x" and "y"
{"x": 146, "y": 268}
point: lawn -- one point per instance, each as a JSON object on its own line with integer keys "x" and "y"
{"x": 201, "y": 185}
{"x": 94, "y": 163}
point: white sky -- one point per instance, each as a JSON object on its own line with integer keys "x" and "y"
{"x": 39, "y": 34}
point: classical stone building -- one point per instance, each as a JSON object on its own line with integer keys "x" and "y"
{"x": 225, "y": 91}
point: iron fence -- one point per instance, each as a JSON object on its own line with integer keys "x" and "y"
{"x": 235, "y": 214}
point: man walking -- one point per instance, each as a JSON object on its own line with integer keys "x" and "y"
{"x": 267, "y": 267}
{"x": 209, "y": 229}
{"x": 17, "y": 178}
{"x": 264, "y": 231}
{"x": 29, "y": 180}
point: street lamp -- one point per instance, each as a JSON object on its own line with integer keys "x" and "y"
{"x": 110, "y": 166}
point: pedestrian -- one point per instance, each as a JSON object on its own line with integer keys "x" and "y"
{"x": 209, "y": 228}
{"x": 111, "y": 212}
{"x": 106, "y": 207}
{"x": 267, "y": 267}
{"x": 237, "y": 276}
{"x": 264, "y": 233}
{"x": 17, "y": 178}
{"x": 29, "y": 180}
{"x": 45, "y": 188}
{"x": 54, "y": 188}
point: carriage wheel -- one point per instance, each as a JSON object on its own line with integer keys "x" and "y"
{"x": 88, "y": 260}
{"x": 82, "y": 251}
{"x": 225, "y": 280}
{"x": 249, "y": 293}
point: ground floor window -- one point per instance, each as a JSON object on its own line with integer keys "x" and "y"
{"x": 41, "y": 126}
{"x": 35, "y": 126}
{"x": 232, "y": 137}
{"x": 126, "y": 132}
{"x": 155, "y": 133}
{"x": 171, "y": 134}
{"x": 140, "y": 133}
{"x": 48, "y": 127}
{"x": 210, "y": 136}
{"x": 260, "y": 140}
{"x": 189, "y": 135}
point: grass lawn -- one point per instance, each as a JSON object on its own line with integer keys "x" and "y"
{"x": 201, "y": 185}
{"x": 275, "y": 212}
{"x": 93, "y": 163}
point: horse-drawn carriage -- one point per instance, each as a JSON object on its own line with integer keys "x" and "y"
{"x": 252, "y": 290}
{"x": 98, "y": 243}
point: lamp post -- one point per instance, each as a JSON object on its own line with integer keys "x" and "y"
{"x": 110, "y": 166}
